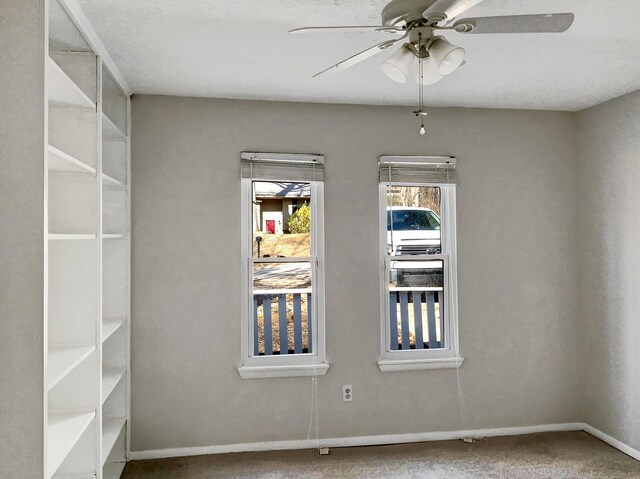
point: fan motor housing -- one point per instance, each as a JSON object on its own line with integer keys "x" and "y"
{"x": 400, "y": 12}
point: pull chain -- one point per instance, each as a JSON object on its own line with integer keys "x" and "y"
{"x": 420, "y": 112}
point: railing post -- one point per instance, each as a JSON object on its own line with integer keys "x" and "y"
{"x": 297, "y": 323}
{"x": 417, "y": 318}
{"x": 282, "y": 315}
{"x": 268, "y": 329}
{"x": 393, "y": 321}
{"x": 404, "y": 319}
{"x": 439, "y": 298}
{"x": 431, "y": 320}
{"x": 256, "y": 342}
{"x": 309, "y": 323}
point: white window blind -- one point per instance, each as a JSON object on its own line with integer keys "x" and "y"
{"x": 418, "y": 169}
{"x": 282, "y": 166}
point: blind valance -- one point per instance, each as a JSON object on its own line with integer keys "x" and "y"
{"x": 282, "y": 166}
{"x": 418, "y": 169}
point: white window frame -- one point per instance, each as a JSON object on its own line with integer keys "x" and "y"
{"x": 287, "y": 365}
{"x": 415, "y": 359}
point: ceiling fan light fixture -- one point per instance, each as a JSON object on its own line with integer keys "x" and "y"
{"x": 397, "y": 67}
{"x": 447, "y": 57}
{"x": 430, "y": 75}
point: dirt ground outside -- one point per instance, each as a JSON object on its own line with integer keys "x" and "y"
{"x": 285, "y": 245}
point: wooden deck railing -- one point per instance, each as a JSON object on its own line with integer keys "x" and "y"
{"x": 282, "y": 320}
{"x": 292, "y": 311}
{"x": 426, "y": 303}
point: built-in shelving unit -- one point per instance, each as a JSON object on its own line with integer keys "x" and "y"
{"x": 73, "y": 208}
{"x": 115, "y": 274}
{"x": 87, "y": 257}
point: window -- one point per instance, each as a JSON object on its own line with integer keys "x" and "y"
{"x": 283, "y": 280}
{"x": 419, "y": 328}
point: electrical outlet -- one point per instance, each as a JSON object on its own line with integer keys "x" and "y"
{"x": 347, "y": 393}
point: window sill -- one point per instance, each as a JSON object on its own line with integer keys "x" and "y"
{"x": 393, "y": 365}
{"x": 262, "y": 372}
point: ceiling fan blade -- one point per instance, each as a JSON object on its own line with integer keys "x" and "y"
{"x": 379, "y": 28}
{"x": 543, "y": 23}
{"x": 359, "y": 57}
{"x": 449, "y": 9}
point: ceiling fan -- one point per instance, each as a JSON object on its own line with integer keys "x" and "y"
{"x": 420, "y": 25}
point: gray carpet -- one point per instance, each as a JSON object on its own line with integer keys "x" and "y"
{"x": 550, "y": 455}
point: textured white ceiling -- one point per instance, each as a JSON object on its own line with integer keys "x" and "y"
{"x": 241, "y": 49}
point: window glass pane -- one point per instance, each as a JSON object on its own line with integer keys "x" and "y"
{"x": 416, "y": 302}
{"x": 413, "y": 220}
{"x": 281, "y": 219}
{"x": 420, "y": 274}
{"x": 282, "y": 299}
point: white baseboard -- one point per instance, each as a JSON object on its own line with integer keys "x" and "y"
{"x": 355, "y": 441}
{"x": 621, "y": 446}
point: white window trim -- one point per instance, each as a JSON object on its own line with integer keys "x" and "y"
{"x": 290, "y": 365}
{"x": 449, "y": 358}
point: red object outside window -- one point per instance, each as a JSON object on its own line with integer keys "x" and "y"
{"x": 271, "y": 226}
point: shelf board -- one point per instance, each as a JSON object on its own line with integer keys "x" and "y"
{"x": 114, "y": 236}
{"x": 110, "y": 326}
{"x": 111, "y": 427}
{"x": 110, "y": 131}
{"x": 76, "y": 475}
{"x": 63, "y": 90}
{"x": 61, "y": 162}
{"x": 71, "y": 237}
{"x": 63, "y": 359}
{"x": 63, "y": 432}
{"x": 110, "y": 380}
{"x": 110, "y": 182}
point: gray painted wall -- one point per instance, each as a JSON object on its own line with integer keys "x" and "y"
{"x": 609, "y": 212}
{"x": 517, "y": 272}
{"x": 22, "y": 53}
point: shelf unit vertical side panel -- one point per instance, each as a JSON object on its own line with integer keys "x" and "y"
{"x": 99, "y": 181}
